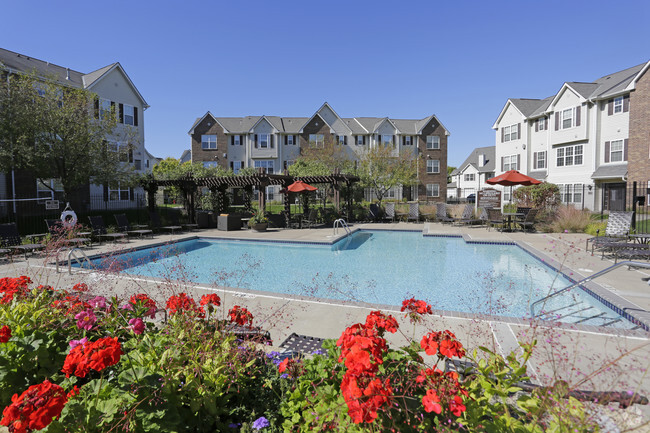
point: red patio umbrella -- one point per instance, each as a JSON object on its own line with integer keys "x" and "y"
{"x": 513, "y": 177}
{"x": 300, "y": 186}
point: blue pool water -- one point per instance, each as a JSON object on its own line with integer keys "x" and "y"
{"x": 376, "y": 267}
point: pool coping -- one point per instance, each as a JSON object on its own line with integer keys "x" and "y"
{"x": 613, "y": 301}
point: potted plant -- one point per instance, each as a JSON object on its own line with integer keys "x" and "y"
{"x": 258, "y": 222}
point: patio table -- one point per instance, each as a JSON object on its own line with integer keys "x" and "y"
{"x": 641, "y": 238}
{"x": 401, "y": 215}
{"x": 509, "y": 216}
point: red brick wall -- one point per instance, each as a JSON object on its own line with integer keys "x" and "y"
{"x": 433, "y": 128}
{"x": 209, "y": 126}
{"x": 315, "y": 126}
{"x": 639, "y": 140}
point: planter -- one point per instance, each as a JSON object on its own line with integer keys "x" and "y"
{"x": 260, "y": 227}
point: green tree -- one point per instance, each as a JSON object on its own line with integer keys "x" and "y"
{"x": 381, "y": 170}
{"x": 450, "y": 169}
{"x": 57, "y": 132}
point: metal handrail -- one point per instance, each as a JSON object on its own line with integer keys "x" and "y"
{"x": 584, "y": 280}
{"x": 70, "y": 256}
{"x": 343, "y": 224}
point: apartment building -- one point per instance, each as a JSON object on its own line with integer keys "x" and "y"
{"x": 113, "y": 88}
{"x": 590, "y": 138}
{"x": 470, "y": 176}
{"x": 274, "y": 143}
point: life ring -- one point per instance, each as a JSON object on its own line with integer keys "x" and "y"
{"x": 68, "y": 218}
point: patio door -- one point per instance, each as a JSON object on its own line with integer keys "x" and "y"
{"x": 615, "y": 196}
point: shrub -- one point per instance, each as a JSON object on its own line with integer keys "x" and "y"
{"x": 570, "y": 219}
{"x": 544, "y": 195}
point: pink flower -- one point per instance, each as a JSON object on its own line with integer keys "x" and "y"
{"x": 98, "y": 302}
{"x": 137, "y": 326}
{"x": 127, "y": 306}
{"x": 75, "y": 343}
{"x": 86, "y": 320}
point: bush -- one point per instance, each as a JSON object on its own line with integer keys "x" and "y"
{"x": 569, "y": 219}
{"x": 544, "y": 195}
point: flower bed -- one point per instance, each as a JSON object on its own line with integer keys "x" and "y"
{"x": 71, "y": 362}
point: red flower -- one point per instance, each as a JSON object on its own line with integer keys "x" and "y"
{"x": 381, "y": 322}
{"x": 5, "y": 334}
{"x": 35, "y": 408}
{"x": 445, "y": 342}
{"x": 211, "y": 299}
{"x": 183, "y": 303}
{"x": 240, "y": 315}
{"x": 13, "y": 287}
{"x": 456, "y": 406}
{"x": 413, "y": 306}
{"x": 96, "y": 355}
{"x": 431, "y": 402}
{"x": 80, "y": 287}
{"x": 142, "y": 300}
{"x": 73, "y": 392}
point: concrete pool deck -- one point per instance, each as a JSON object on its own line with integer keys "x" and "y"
{"x": 603, "y": 359}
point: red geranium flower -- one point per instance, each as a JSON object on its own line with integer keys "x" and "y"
{"x": 96, "y": 355}
{"x": 382, "y": 322}
{"x": 145, "y": 301}
{"x": 416, "y": 307}
{"x": 211, "y": 299}
{"x": 431, "y": 402}
{"x": 80, "y": 287}
{"x": 35, "y": 408}
{"x": 445, "y": 342}
{"x": 183, "y": 303}
{"x": 5, "y": 334}
{"x": 240, "y": 315}
{"x": 13, "y": 287}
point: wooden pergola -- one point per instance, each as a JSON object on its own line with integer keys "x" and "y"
{"x": 261, "y": 180}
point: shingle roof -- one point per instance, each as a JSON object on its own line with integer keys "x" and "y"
{"x": 584, "y": 89}
{"x": 90, "y": 78}
{"x": 472, "y": 159}
{"x": 355, "y": 126}
{"x": 293, "y": 125}
{"x": 26, "y": 64}
{"x": 610, "y": 171}
{"x": 527, "y": 106}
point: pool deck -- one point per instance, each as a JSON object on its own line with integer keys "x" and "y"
{"x": 603, "y": 359}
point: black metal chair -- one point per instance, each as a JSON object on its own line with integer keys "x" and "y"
{"x": 617, "y": 230}
{"x": 100, "y": 232}
{"x": 441, "y": 213}
{"x": 10, "y": 239}
{"x": 528, "y": 223}
{"x": 495, "y": 218}
{"x": 124, "y": 226}
{"x": 155, "y": 222}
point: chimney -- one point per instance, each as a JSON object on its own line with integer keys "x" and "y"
{"x": 481, "y": 160}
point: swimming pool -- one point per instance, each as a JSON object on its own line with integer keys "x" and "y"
{"x": 381, "y": 267}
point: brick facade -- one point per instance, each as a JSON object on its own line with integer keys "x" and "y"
{"x": 424, "y": 178}
{"x": 208, "y": 126}
{"x": 639, "y": 141}
{"x": 315, "y": 126}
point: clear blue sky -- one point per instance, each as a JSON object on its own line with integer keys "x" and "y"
{"x": 459, "y": 60}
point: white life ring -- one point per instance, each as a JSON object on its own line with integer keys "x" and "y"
{"x": 68, "y": 218}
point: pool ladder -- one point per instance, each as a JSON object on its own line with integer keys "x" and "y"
{"x": 72, "y": 254}
{"x": 344, "y": 225}
{"x": 607, "y": 270}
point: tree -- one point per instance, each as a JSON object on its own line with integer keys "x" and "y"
{"x": 58, "y": 132}
{"x": 450, "y": 169}
{"x": 380, "y": 170}
{"x": 322, "y": 161}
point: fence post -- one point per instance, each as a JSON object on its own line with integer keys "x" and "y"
{"x": 634, "y": 205}
{"x": 602, "y": 202}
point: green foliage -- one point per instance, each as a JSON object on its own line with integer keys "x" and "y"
{"x": 544, "y": 195}
{"x": 593, "y": 227}
{"x": 569, "y": 219}
{"x": 381, "y": 170}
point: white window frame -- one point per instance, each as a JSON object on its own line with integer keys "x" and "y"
{"x": 433, "y": 168}
{"x": 567, "y": 115}
{"x": 359, "y": 140}
{"x": 125, "y": 112}
{"x": 541, "y": 160}
{"x": 236, "y": 166}
{"x": 391, "y": 193}
{"x": 290, "y": 139}
{"x": 104, "y": 107}
{"x": 618, "y": 105}
{"x": 264, "y": 140}
{"x": 316, "y": 140}
{"x": 236, "y": 140}
{"x": 618, "y": 151}
{"x": 207, "y": 142}
{"x": 433, "y": 142}
{"x": 45, "y": 193}
{"x": 387, "y": 139}
{"x": 267, "y": 164}
{"x": 118, "y": 194}
{"x": 431, "y": 191}
{"x": 209, "y": 164}
{"x": 567, "y": 156}
{"x": 511, "y": 132}
{"x": 341, "y": 141}
{"x": 571, "y": 193}
{"x": 541, "y": 123}
{"x": 510, "y": 163}
{"x": 469, "y": 177}
{"x": 408, "y": 140}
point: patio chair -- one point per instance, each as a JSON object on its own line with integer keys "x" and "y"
{"x": 389, "y": 211}
{"x": 632, "y": 253}
{"x": 441, "y": 213}
{"x": 622, "y": 249}
{"x": 494, "y": 218}
{"x": 528, "y": 223}
{"x": 414, "y": 212}
{"x": 523, "y": 210}
{"x": 10, "y": 239}
{"x": 124, "y": 226}
{"x": 155, "y": 223}
{"x": 467, "y": 216}
{"x": 63, "y": 236}
{"x": 100, "y": 232}
{"x": 374, "y": 213}
{"x": 617, "y": 229}
{"x": 311, "y": 219}
{"x": 176, "y": 222}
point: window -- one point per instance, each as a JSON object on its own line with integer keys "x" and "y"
{"x": 104, "y": 108}
{"x": 289, "y": 140}
{"x": 236, "y": 140}
{"x": 489, "y": 175}
{"x": 288, "y": 163}
{"x": 45, "y": 190}
{"x": 342, "y": 140}
{"x": 138, "y": 164}
{"x": 408, "y": 140}
{"x": 146, "y": 163}
{"x": 268, "y": 165}
{"x": 469, "y": 177}
{"x": 391, "y": 193}
{"x": 616, "y": 151}
{"x": 208, "y": 141}
{"x": 511, "y": 132}
{"x": 567, "y": 118}
{"x": 433, "y": 142}
{"x": 542, "y": 123}
{"x": 316, "y": 140}
{"x": 618, "y": 105}
{"x": 208, "y": 164}
{"x": 569, "y": 155}
{"x": 510, "y": 163}
{"x": 264, "y": 140}
{"x": 386, "y": 139}
{"x": 433, "y": 166}
{"x": 433, "y": 190}
{"x": 360, "y": 140}
{"x": 270, "y": 191}
{"x": 539, "y": 160}
{"x": 236, "y": 166}
{"x": 129, "y": 115}
{"x": 125, "y": 153}
{"x": 571, "y": 193}
{"x": 118, "y": 192}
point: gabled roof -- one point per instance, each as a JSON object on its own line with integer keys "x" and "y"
{"x": 293, "y": 125}
{"x": 311, "y": 118}
{"x": 89, "y": 79}
{"x": 185, "y": 156}
{"x": 583, "y": 89}
{"x": 472, "y": 159}
{"x": 369, "y": 123}
{"x": 200, "y": 119}
{"x": 356, "y": 127}
{"x": 510, "y": 102}
{"x": 386, "y": 119}
{"x": 94, "y": 77}
{"x": 338, "y": 125}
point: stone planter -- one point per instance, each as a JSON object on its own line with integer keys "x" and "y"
{"x": 259, "y": 227}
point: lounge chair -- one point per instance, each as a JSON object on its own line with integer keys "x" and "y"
{"x": 528, "y": 223}
{"x": 441, "y": 213}
{"x": 62, "y": 236}
{"x": 10, "y": 239}
{"x": 374, "y": 213}
{"x": 124, "y": 226}
{"x": 155, "y": 222}
{"x": 467, "y": 216}
{"x": 494, "y": 218}
{"x": 389, "y": 211}
{"x": 617, "y": 229}
{"x": 99, "y": 230}
{"x": 640, "y": 251}
{"x": 414, "y": 212}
